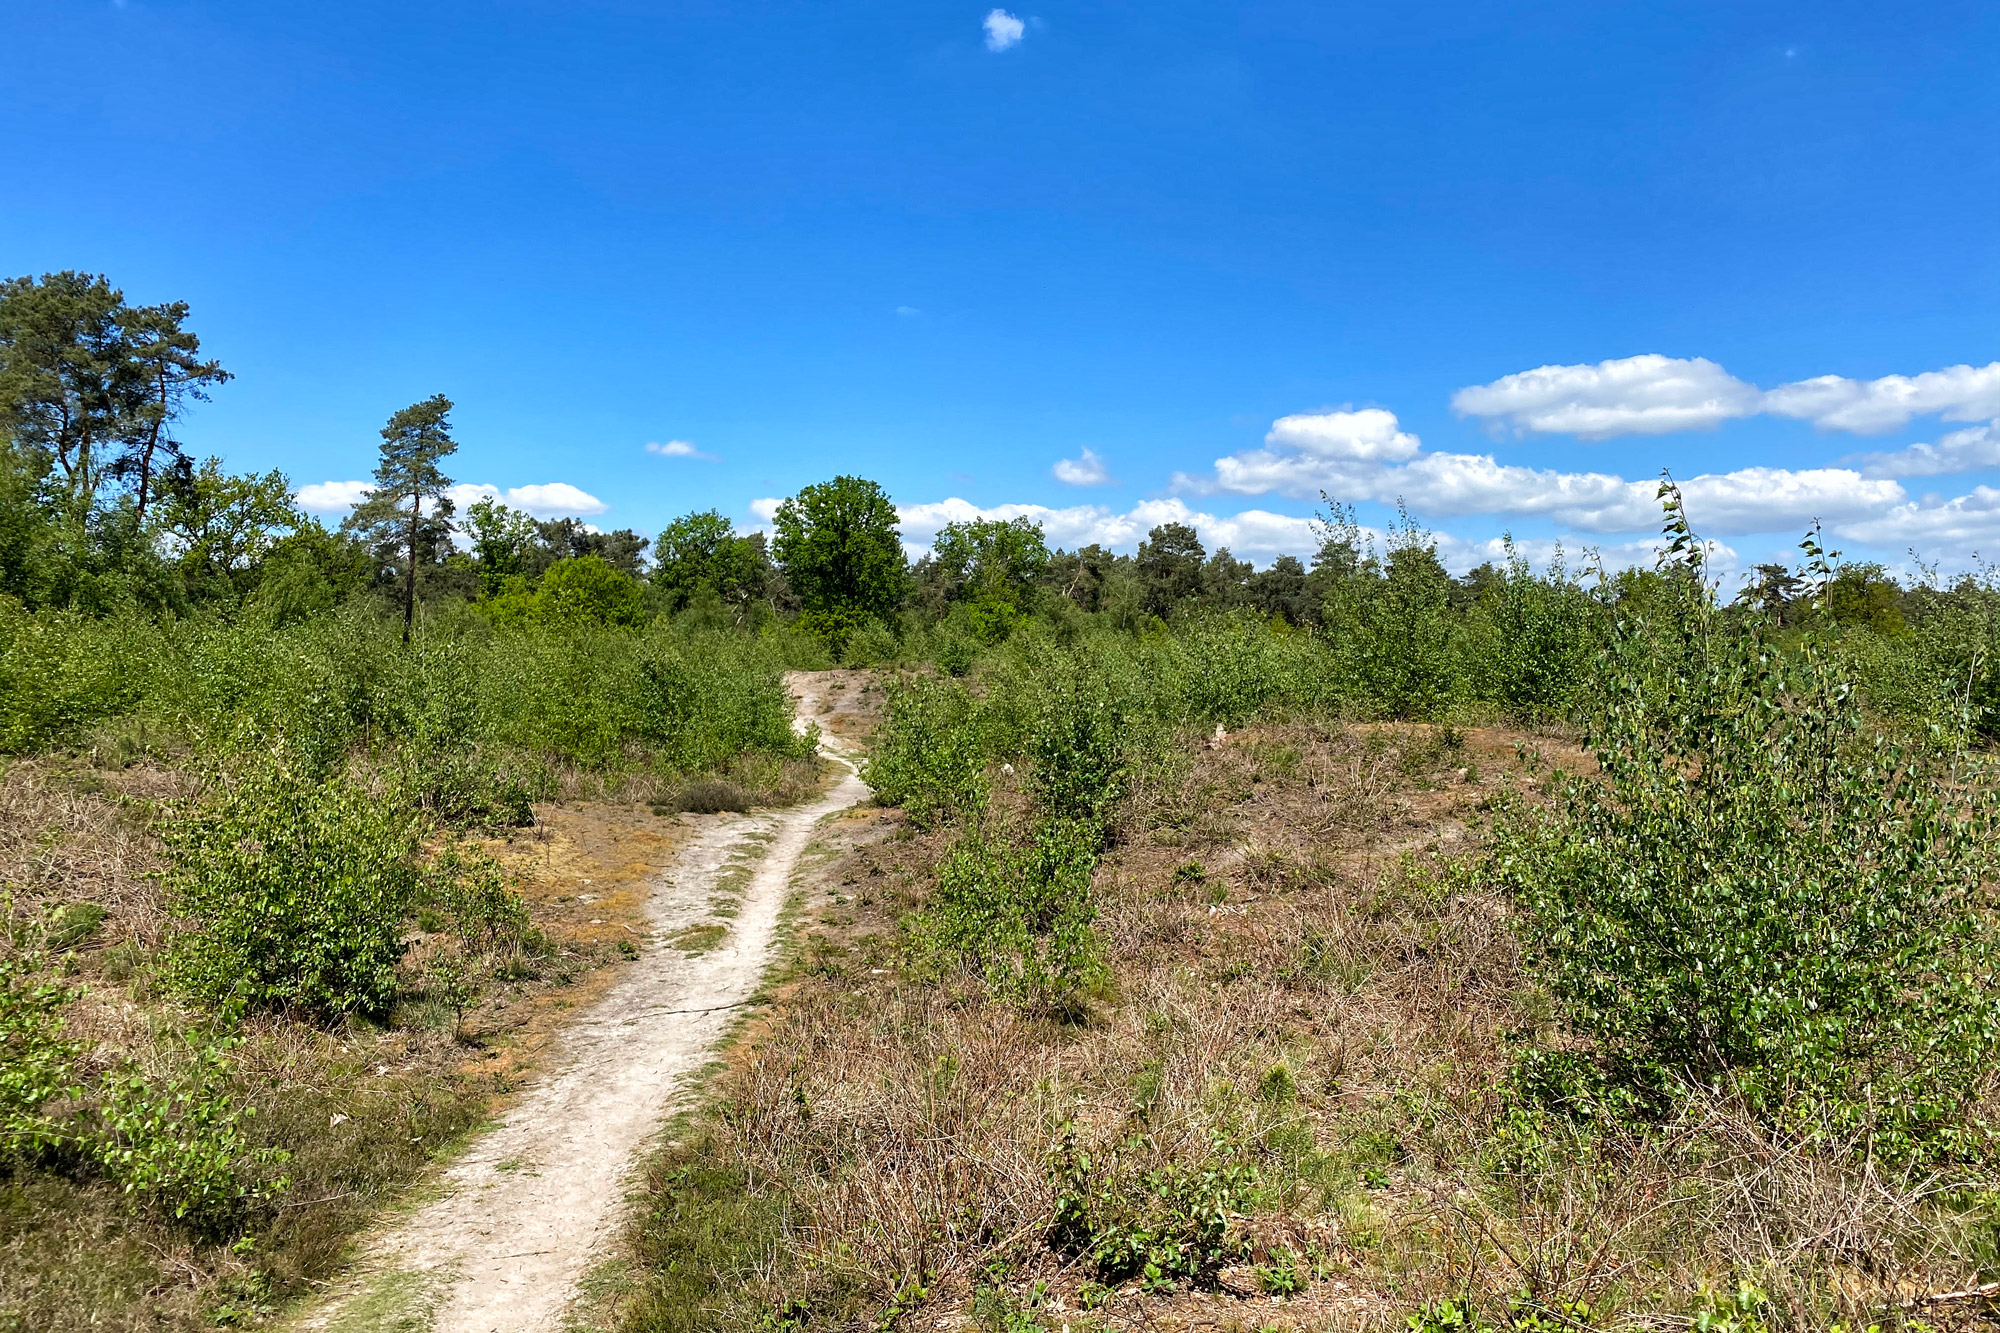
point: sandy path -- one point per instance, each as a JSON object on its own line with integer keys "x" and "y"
{"x": 530, "y": 1205}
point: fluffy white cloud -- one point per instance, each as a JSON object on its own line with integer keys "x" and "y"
{"x": 331, "y": 497}
{"x": 1252, "y": 533}
{"x": 676, "y": 449}
{"x": 1364, "y": 456}
{"x": 543, "y": 501}
{"x": 1961, "y": 451}
{"x": 1957, "y": 393}
{"x": 1311, "y": 452}
{"x": 765, "y": 509}
{"x": 1003, "y": 30}
{"x": 1654, "y": 394}
{"x": 553, "y": 499}
{"x": 1955, "y": 528}
{"x": 1370, "y": 435}
{"x": 1635, "y": 395}
{"x": 1088, "y": 470}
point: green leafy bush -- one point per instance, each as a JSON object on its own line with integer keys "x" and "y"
{"x": 61, "y": 671}
{"x": 1022, "y": 918}
{"x": 1161, "y": 1224}
{"x": 1758, "y": 897}
{"x": 177, "y": 1139}
{"x": 1076, "y": 739}
{"x": 930, "y": 756}
{"x": 470, "y": 891}
{"x": 293, "y": 891}
{"x": 37, "y": 1065}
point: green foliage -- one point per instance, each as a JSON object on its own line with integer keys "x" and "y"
{"x": 1161, "y": 1224}
{"x": 701, "y": 553}
{"x": 1020, "y": 917}
{"x": 1759, "y": 897}
{"x": 500, "y": 539}
{"x": 1076, "y": 739}
{"x": 584, "y": 590}
{"x": 178, "y": 1140}
{"x": 930, "y": 755}
{"x": 991, "y": 568}
{"x": 223, "y": 528}
{"x": 393, "y": 519}
{"x": 293, "y": 891}
{"x": 839, "y": 548}
{"x": 1540, "y": 639}
{"x": 706, "y": 1232}
{"x": 62, "y": 670}
{"x": 37, "y": 1065}
{"x": 1168, "y": 566}
{"x": 1392, "y": 625}
{"x": 469, "y": 891}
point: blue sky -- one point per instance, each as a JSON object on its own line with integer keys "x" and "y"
{"x": 1238, "y": 253}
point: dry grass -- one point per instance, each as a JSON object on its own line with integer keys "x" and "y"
{"x": 364, "y": 1110}
{"x": 1300, "y": 984}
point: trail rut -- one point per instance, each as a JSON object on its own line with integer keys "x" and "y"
{"x": 527, "y": 1209}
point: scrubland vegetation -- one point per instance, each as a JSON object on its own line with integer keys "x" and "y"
{"x": 1568, "y": 955}
{"x": 1342, "y": 943}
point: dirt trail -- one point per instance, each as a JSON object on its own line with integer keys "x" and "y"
{"x": 530, "y": 1205}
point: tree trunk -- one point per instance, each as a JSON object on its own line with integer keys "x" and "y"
{"x": 152, "y": 443}
{"x": 410, "y": 577}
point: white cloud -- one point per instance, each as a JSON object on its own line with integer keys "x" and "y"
{"x": 1654, "y": 394}
{"x": 547, "y": 500}
{"x": 1252, "y": 533}
{"x": 1958, "y": 527}
{"x": 1961, "y": 451}
{"x": 677, "y": 449}
{"x": 1364, "y": 456}
{"x": 1003, "y": 30}
{"x": 765, "y": 509}
{"x": 908, "y": 311}
{"x": 1866, "y": 407}
{"x": 1088, "y": 470}
{"x": 1635, "y": 395}
{"x": 554, "y": 499}
{"x": 331, "y": 497}
{"x": 1308, "y": 453}
{"x": 1370, "y": 435}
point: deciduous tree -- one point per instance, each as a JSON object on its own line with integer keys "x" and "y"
{"x": 839, "y": 548}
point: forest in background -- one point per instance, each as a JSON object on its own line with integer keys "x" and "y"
{"x": 1775, "y": 893}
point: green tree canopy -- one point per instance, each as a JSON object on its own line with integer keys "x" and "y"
{"x": 223, "y": 527}
{"x": 839, "y": 548}
{"x": 94, "y": 386}
{"x": 702, "y": 553}
{"x": 986, "y": 558}
{"x": 392, "y": 518}
{"x": 501, "y": 539}
{"x": 1169, "y": 566}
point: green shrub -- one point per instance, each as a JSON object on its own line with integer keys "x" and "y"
{"x": 1158, "y": 1224}
{"x": 872, "y": 644}
{"x": 1542, "y": 636}
{"x": 1076, "y": 739}
{"x": 1022, "y": 918}
{"x": 705, "y": 796}
{"x": 930, "y": 756}
{"x": 37, "y": 1065}
{"x": 470, "y": 891}
{"x": 177, "y": 1140}
{"x": 1757, "y": 897}
{"x": 61, "y": 671}
{"x": 293, "y": 892}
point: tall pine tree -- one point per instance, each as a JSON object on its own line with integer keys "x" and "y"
{"x": 393, "y": 517}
